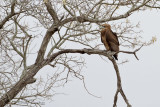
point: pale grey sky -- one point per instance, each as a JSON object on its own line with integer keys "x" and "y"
{"x": 140, "y": 79}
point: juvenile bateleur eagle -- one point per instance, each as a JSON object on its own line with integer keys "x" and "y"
{"x": 110, "y": 39}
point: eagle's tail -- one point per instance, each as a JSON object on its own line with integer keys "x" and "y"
{"x": 116, "y": 56}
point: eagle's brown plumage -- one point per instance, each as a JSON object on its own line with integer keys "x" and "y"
{"x": 110, "y": 39}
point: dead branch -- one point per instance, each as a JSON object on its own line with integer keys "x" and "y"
{"x": 119, "y": 85}
{"x": 51, "y": 11}
{"x": 9, "y": 15}
{"x": 134, "y": 52}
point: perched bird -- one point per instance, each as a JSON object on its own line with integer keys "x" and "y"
{"x": 110, "y": 39}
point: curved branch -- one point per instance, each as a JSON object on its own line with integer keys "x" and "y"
{"x": 10, "y": 15}
{"x": 119, "y": 85}
{"x": 89, "y": 51}
{"x": 81, "y": 51}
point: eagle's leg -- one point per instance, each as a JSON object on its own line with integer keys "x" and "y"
{"x": 112, "y": 54}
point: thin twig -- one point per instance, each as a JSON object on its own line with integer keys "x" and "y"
{"x": 88, "y": 91}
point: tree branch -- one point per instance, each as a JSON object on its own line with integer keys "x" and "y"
{"x": 65, "y": 7}
{"x": 27, "y": 79}
{"x": 119, "y": 85}
{"x": 84, "y": 18}
{"x": 81, "y": 51}
{"x": 134, "y": 52}
{"x": 51, "y": 11}
{"x": 45, "y": 42}
{"x": 10, "y": 15}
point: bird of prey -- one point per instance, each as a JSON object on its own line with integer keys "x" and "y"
{"x": 110, "y": 39}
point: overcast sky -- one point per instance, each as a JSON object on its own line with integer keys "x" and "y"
{"x": 140, "y": 79}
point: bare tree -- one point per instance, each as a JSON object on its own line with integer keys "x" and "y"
{"x": 35, "y": 34}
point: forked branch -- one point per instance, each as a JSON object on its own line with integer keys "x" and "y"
{"x": 119, "y": 85}
{"x": 134, "y": 52}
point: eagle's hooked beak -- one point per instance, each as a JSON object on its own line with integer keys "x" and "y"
{"x": 101, "y": 27}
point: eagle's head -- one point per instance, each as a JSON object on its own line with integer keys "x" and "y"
{"x": 106, "y": 26}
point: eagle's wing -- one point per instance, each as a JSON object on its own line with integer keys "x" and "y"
{"x": 112, "y": 40}
{"x": 115, "y": 34}
{"x": 103, "y": 39}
